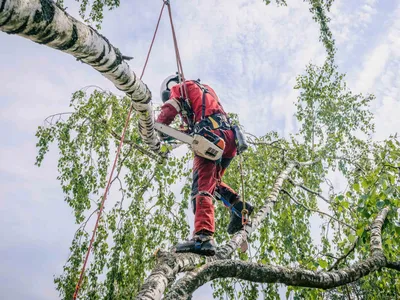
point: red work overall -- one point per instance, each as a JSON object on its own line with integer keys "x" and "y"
{"x": 207, "y": 174}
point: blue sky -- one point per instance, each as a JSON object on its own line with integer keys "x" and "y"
{"x": 249, "y": 52}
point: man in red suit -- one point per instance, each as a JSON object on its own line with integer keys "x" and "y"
{"x": 199, "y": 107}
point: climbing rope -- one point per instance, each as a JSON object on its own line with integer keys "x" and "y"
{"x": 245, "y": 212}
{"x": 114, "y": 165}
{"x": 181, "y": 76}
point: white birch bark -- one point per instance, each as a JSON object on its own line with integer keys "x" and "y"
{"x": 43, "y": 22}
{"x": 290, "y": 276}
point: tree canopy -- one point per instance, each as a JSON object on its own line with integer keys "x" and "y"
{"x": 149, "y": 197}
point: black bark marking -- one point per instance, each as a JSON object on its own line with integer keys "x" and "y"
{"x": 48, "y": 10}
{"x": 116, "y": 62}
{"x": 81, "y": 57}
{"x": 8, "y": 18}
{"x": 126, "y": 89}
{"x": 119, "y": 76}
{"x": 125, "y": 81}
{"x": 21, "y": 28}
{"x": 38, "y": 16}
{"x": 72, "y": 40}
{"x": 97, "y": 60}
{"x": 147, "y": 101}
{"x": 3, "y": 4}
{"x": 49, "y": 38}
{"x": 33, "y": 31}
{"x": 107, "y": 41}
{"x": 44, "y": 33}
{"x": 132, "y": 84}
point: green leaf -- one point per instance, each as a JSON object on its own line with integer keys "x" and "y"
{"x": 360, "y": 231}
{"x": 380, "y": 204}
{"x": 352, "y": 238}
{"x": 356, "y": 187}
{"x": 322, "y": 263}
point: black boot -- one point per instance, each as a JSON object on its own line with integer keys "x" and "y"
{"x": 202, "y": 244}
{"x": 235, "y": 223}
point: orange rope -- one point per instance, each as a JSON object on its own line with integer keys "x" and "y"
{"x": 113, "y": 167}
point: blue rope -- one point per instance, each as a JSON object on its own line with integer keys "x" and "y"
{"x": 234, "y": 210}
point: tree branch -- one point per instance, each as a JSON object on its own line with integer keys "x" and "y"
{"x": 393, "y": 265}
{"x": 43, "y": 22}
{"x": 309, "y": 190}
{"x": 317, "y": 211}
{"x": 290, "y": 276}
{"x": 344, "y": 256}
{"x": 136, "y": 146}
{"x": 49, "y": 119}
{"x": 263, "y": 143}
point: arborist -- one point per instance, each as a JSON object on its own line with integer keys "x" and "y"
{"x": 200, "y": 109}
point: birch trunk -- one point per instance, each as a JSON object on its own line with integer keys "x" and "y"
{"x": 43, "y": 22}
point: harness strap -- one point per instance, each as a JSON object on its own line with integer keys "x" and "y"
{"x": 203, "y": 98}
{"x": 203, "y": 104}
{"x": 224, "y": 201}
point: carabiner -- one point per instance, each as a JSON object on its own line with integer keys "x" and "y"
{"x": 245, "y": 216}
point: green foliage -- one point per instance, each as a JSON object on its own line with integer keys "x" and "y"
{"x": 143, "y": 218}
{"x": 92, "y": 12}
{"x": 335, "y": 126}
{"x": 330, "y": 115}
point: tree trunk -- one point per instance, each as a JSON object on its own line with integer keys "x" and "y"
{"x": 43, "y": 22}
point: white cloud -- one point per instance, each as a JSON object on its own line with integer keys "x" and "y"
{"x": 380, "y": 75}
{"x": 373, "y": 67}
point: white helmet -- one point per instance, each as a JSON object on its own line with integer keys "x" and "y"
{"x": 166, "y": 86}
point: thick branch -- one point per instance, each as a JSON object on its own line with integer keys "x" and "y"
{"x": 43, "y": 22}
{"x": 294, "y": 277}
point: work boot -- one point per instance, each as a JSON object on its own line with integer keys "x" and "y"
{"x": 201, "y": 243}
{"x": 235, "y": 223}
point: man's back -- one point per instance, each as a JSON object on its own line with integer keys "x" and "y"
{"x": 195, "y": 95}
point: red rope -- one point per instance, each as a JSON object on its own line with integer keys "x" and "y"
{"x": 152, "y": 41}
{"x": 114, "y": 165}
{"x": 177, "y": 54}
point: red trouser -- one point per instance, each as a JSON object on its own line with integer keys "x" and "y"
{"x": 207, "y": 175}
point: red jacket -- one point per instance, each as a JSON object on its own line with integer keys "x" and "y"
{"x": 173, "y": 106}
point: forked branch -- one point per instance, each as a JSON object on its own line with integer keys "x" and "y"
{"x": 290, "y": 276}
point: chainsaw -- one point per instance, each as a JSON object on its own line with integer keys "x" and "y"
{"x": 203, "y": 142}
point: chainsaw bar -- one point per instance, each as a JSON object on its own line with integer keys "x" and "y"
{"x": 183, "y": 137}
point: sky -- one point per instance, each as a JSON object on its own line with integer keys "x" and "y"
{"x": 250, "y": 53}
